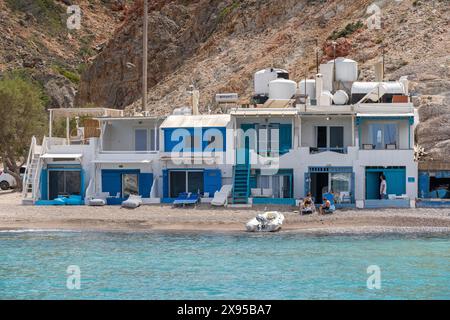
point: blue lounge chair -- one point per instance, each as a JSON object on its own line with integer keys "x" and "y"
{"x": 186, "y": 198}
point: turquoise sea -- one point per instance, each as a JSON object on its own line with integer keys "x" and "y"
{"x": 33, "y": 265}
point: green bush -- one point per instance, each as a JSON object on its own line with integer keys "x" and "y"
{"x": 71, "y": 76}
{"x": 348, "y": 30}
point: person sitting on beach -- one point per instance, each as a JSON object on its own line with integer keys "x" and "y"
{"x": 326, "y": 207}
{"x": 307, "y": 205}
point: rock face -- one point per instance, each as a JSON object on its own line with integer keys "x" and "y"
{"x": 433, "y": 131}
{"x": 35, "y": 40}
{"x": 218, "y": 45}
{"x": 61, "y": 92}
{"x": 175, "y": 33}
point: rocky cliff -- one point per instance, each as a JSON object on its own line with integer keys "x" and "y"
{"x": 218, "y": 45}
{"x": 35, "y": 41}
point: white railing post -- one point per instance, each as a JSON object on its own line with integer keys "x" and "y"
{"x": 27, "y": 168}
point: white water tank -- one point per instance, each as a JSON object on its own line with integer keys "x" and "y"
{"x": 326, "y": 98}
{"x": 340, "y": 97}
{"x": 308, "y": 87}
{"x": 263, "y": 77}
{"x": 346, "y": 69}
{"x": 282, "y": 89}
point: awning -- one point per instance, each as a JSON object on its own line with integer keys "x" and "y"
{"x": 89, "y": 112}
{"x": 384, "y": 115}
{"x": 122, "y": 161}
{"x": 61, "y": 155}
{"x": 199, "y": 121}
{"x": 264, "y": 112}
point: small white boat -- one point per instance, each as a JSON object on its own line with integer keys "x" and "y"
{"x": 270, "y": 221}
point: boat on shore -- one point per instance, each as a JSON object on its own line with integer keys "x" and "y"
{"x": 270, "y": 221}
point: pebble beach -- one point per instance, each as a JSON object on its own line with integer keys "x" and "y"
{"x": 15, "y": 216}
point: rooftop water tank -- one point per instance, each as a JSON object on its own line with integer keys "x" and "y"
{"x": 282, "y": 89}
{"x": 346, "y": 69}
{"x": 340, "y": 97}
{"x": 308, "y": 87}
{"x": 263, "y": 77}
{"x": 326, "y": 98}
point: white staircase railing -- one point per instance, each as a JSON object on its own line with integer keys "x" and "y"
{"x": 36, "y": 179}
{"x": 25, "y": 179}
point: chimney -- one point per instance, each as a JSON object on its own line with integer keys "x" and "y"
{"x": 319, "y": 87}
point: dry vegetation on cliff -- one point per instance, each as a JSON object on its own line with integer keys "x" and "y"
{"x": 218, "y": 45}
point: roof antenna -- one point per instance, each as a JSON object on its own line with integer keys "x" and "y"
{"x": 334, "y": 62}
{"x": 317, "y": 56}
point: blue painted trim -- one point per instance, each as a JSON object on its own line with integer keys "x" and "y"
{"x": 344, "y": 205}
{"x": 330, "y": 169}
{"x": 398, "y": 203}
{"x": 275, "y": 201}
{"x": 167, "y": 200}
{"x": 200, "y": 133}
{"x": 423, "y": 203}
{"x": 359, "y": 120}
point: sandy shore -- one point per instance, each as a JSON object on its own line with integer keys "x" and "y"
{"x": 14, "y": 216}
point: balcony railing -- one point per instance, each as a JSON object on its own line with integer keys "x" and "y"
{"x": 314, "y": 150}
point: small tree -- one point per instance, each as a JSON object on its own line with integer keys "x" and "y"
{"x": 22, "y": 115}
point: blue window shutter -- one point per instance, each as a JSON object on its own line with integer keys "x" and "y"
{"x": 212, "y": 181}
{"x": 82, "y": 183}
{"x": 165, "y": 183}
{"x": 285, "y": 137}
{"x": 112, "y": 181}
{"x": 424, "y": 184}
{"x": 145, "y": 184}
{"x": 44, "y": 184}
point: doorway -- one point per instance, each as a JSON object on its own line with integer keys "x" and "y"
{"x": 64, "y": 182}
{"x": 185, "y": 181}
{"x": 319, "y": 185}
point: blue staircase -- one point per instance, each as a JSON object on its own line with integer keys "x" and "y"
{"x": 241, "y": 183}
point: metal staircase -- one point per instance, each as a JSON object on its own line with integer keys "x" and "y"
{"x": 241, "y": 183}
{"x": 32, "y": 174}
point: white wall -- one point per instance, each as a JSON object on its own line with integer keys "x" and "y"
{"x": 119, "y": 134}
{"x": 309, "y": 124}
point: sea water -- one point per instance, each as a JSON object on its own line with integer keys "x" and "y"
{"x": 46, "y": 265}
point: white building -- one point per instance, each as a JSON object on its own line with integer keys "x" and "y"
{"x": 339, "y": 140}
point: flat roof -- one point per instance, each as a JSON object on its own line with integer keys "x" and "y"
{"x": 385, "y": 115}
{"x": 93, "y": 112}
{"x": 62, "y": 155}
{"x": 131, "y": 118}
{"x": 264, "y": 112}
{"x": 190, "y": 121}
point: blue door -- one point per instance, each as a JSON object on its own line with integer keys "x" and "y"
{"x": 373, "y": 185}
{"x": 395, "y": 182}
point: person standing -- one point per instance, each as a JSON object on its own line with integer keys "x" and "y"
{"x": 383, "y": 187}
